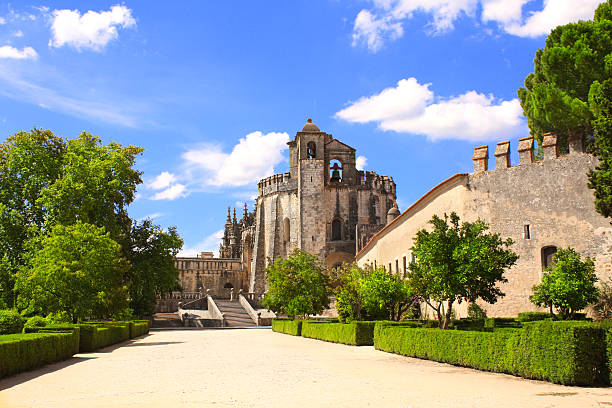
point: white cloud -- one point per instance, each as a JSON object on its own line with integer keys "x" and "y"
{"x": 151, "y": 216}
{"x": 253, "y": 158}
{"x": 2, "y": 21}
{"x": 361, "y": 162}
{"x": 18, "y": 34}
{"x": 555, "y": 12}
{"x": 6, "y": 51}
{"x": 163, "y": 180}
{"x": 412, "y": 108}
{"x": 384, "y": 21}
{"x": 171, "y": 193}
{"x": 210, "y": 243}
{"x": 93, "y": 30}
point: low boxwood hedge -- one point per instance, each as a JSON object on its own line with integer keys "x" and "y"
{"x": 563, "y": 352}
{"x": 354, "y": 333}
{"x": 97, "y": 335}
{"x": 58, "y": 328}
{"x": 287, "y": 326}
{"x": 23, "y": 352}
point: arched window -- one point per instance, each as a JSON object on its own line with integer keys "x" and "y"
{"x": 228, "y": 286}
{"x": 547, "y": 255}
{"x": 336, "y": 230}
{"x": 286, "y": 230}
{"x": 335, "y": 171}
{"x": 311, "y": 150}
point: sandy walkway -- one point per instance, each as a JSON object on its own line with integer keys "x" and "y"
{"x": 259, "y": 368}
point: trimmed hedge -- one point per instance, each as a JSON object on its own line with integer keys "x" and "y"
{"x": 354, "y": 333}
{"x": 10, "y": 322}
{"x": 95, "y": 336}
{"x": 23, "y": 352}
{"x": 533, "y": 316}
{"x": 59, "y": 328}
{"x": 139, "y": 328}
{"x": 287, "y": 326}
{"x": 502, "y": 322}
{"x": 562, "y": 352}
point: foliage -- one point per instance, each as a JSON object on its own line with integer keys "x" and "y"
{"x": 476, "y": 312}
{"x": 78, "y": 270}
{"x": 46, "y": 180}
{"x": 297, "y": 286}
{"x": 602, "y": 307}
{"x": 568, "y": 285}
{"x": 36, "y": 321}
{"x": 23, "y": 352}
{"x": 151, "y": 254}
{"x": 600, "y": 178}
{"x": 10, "y": 322}
{"x": 556, "y": 95}
{"x": 532, "y": 316}
{"x": 456, "y": 263}
{"x": 562, "y": 352}
{"x": 354, "y": 333}
{"x": 287, "y": 326}
{"x": 371, "y": 294}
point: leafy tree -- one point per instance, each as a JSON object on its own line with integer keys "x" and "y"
{"x": 476, "y": 312}
{"x": 151, "y": 255}
{"x": 297, "y": 286}
{"x": 95, "y": 186}
{"x": 456, "y": 263}
{"x": 77, "y": 270}
{"x": 600, "y": 179}
{"x": 371, "y": 294}
{"x": 29, "y": 162}
{"x": 568, "y": 285}
{"x": 46, "y": 180}
{"x": 556, "y": 95}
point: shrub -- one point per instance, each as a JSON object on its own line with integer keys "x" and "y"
{"x": 10, "y": 322}
{"x": 287, "y": 326}
{"x": 468, "y": 324}
{"x": 533, "y": 316}
{"x": 476, "y": 312}
{"x": 58, "y": 328}
{"x": 502, "y": 322}
{"x": 102, "y": 334}
{"x": 354, "y": 333}
{"x": 602, "y": 307}
{"x": 36, "y": 321}
{"x": 22, "y": 352}
{"x": 570, "y": 353}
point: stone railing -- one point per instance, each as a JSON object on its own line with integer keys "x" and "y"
{"x": 256, "y": 317}
{"x": 214, "y": 311}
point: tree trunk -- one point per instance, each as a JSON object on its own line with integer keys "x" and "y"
{"x": 447, "y": 317}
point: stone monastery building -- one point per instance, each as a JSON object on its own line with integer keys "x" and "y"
{"x": 327, "y": 207}
{"x": 323, "y": 205}
{"x": 542, "y": 205}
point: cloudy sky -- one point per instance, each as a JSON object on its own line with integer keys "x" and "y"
{"x": 213, "y": 90}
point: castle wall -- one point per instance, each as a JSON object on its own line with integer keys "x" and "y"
{"x": 550, "y": 196}
{"x": 211, "y": 274}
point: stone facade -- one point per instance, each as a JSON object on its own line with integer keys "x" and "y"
{"x": 319, "y": 206}
{"x": 542, "y": 205}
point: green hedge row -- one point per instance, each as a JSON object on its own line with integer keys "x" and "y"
{"x": 562, "y": 352}
{"x": 354, "y": 333}
{"x": 287, "y": 326}
{"x": 23, "y": 352}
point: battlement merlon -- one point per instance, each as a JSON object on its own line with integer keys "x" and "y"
{"x": 526, "y": 151}
{"x": 370, "y": 179}
{"x": 277, "y": 182}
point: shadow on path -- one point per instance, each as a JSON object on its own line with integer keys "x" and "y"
{"x": 19, "y": 378}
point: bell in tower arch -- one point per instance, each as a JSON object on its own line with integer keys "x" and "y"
{"x": 335, "y": 175}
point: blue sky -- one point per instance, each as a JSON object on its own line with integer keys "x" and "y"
{"x": 213, "y": 90}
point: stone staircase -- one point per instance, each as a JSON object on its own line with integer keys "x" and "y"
{"x": 234, "y": 313}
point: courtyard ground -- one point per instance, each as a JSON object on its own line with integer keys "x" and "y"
{"x": 259, "y": 368}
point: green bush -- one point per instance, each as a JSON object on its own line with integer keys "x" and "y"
{"x": 572, "y": 353}
{"x": 58, "y": 328}
{"x": 102, "y": 334}
{"x": 287, "y": 326}
{"x": 36, "y": 321}
{"x": 502, "y": 322}
{"x": 468, "y": 324}
{"x": 476, "y": 312}
{"x": 354, "y": 333}
{"x": 23, "y": 352}
{"x": 10, "y": 322}
{"x": 533, "y": 316}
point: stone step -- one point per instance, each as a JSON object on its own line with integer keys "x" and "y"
{"x": 234, "y": 323}
{"x": 239, "y": 315}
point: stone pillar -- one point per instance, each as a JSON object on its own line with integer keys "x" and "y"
{"x": 576, "y": 143}
{"x": 502, "y": 155}
{"x": 481, "y": 159}
{"x": 525, "y": 150}
{"x": 549, "y": 144}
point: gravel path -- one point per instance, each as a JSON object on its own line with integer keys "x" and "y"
{"x": 259, "y": 368}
